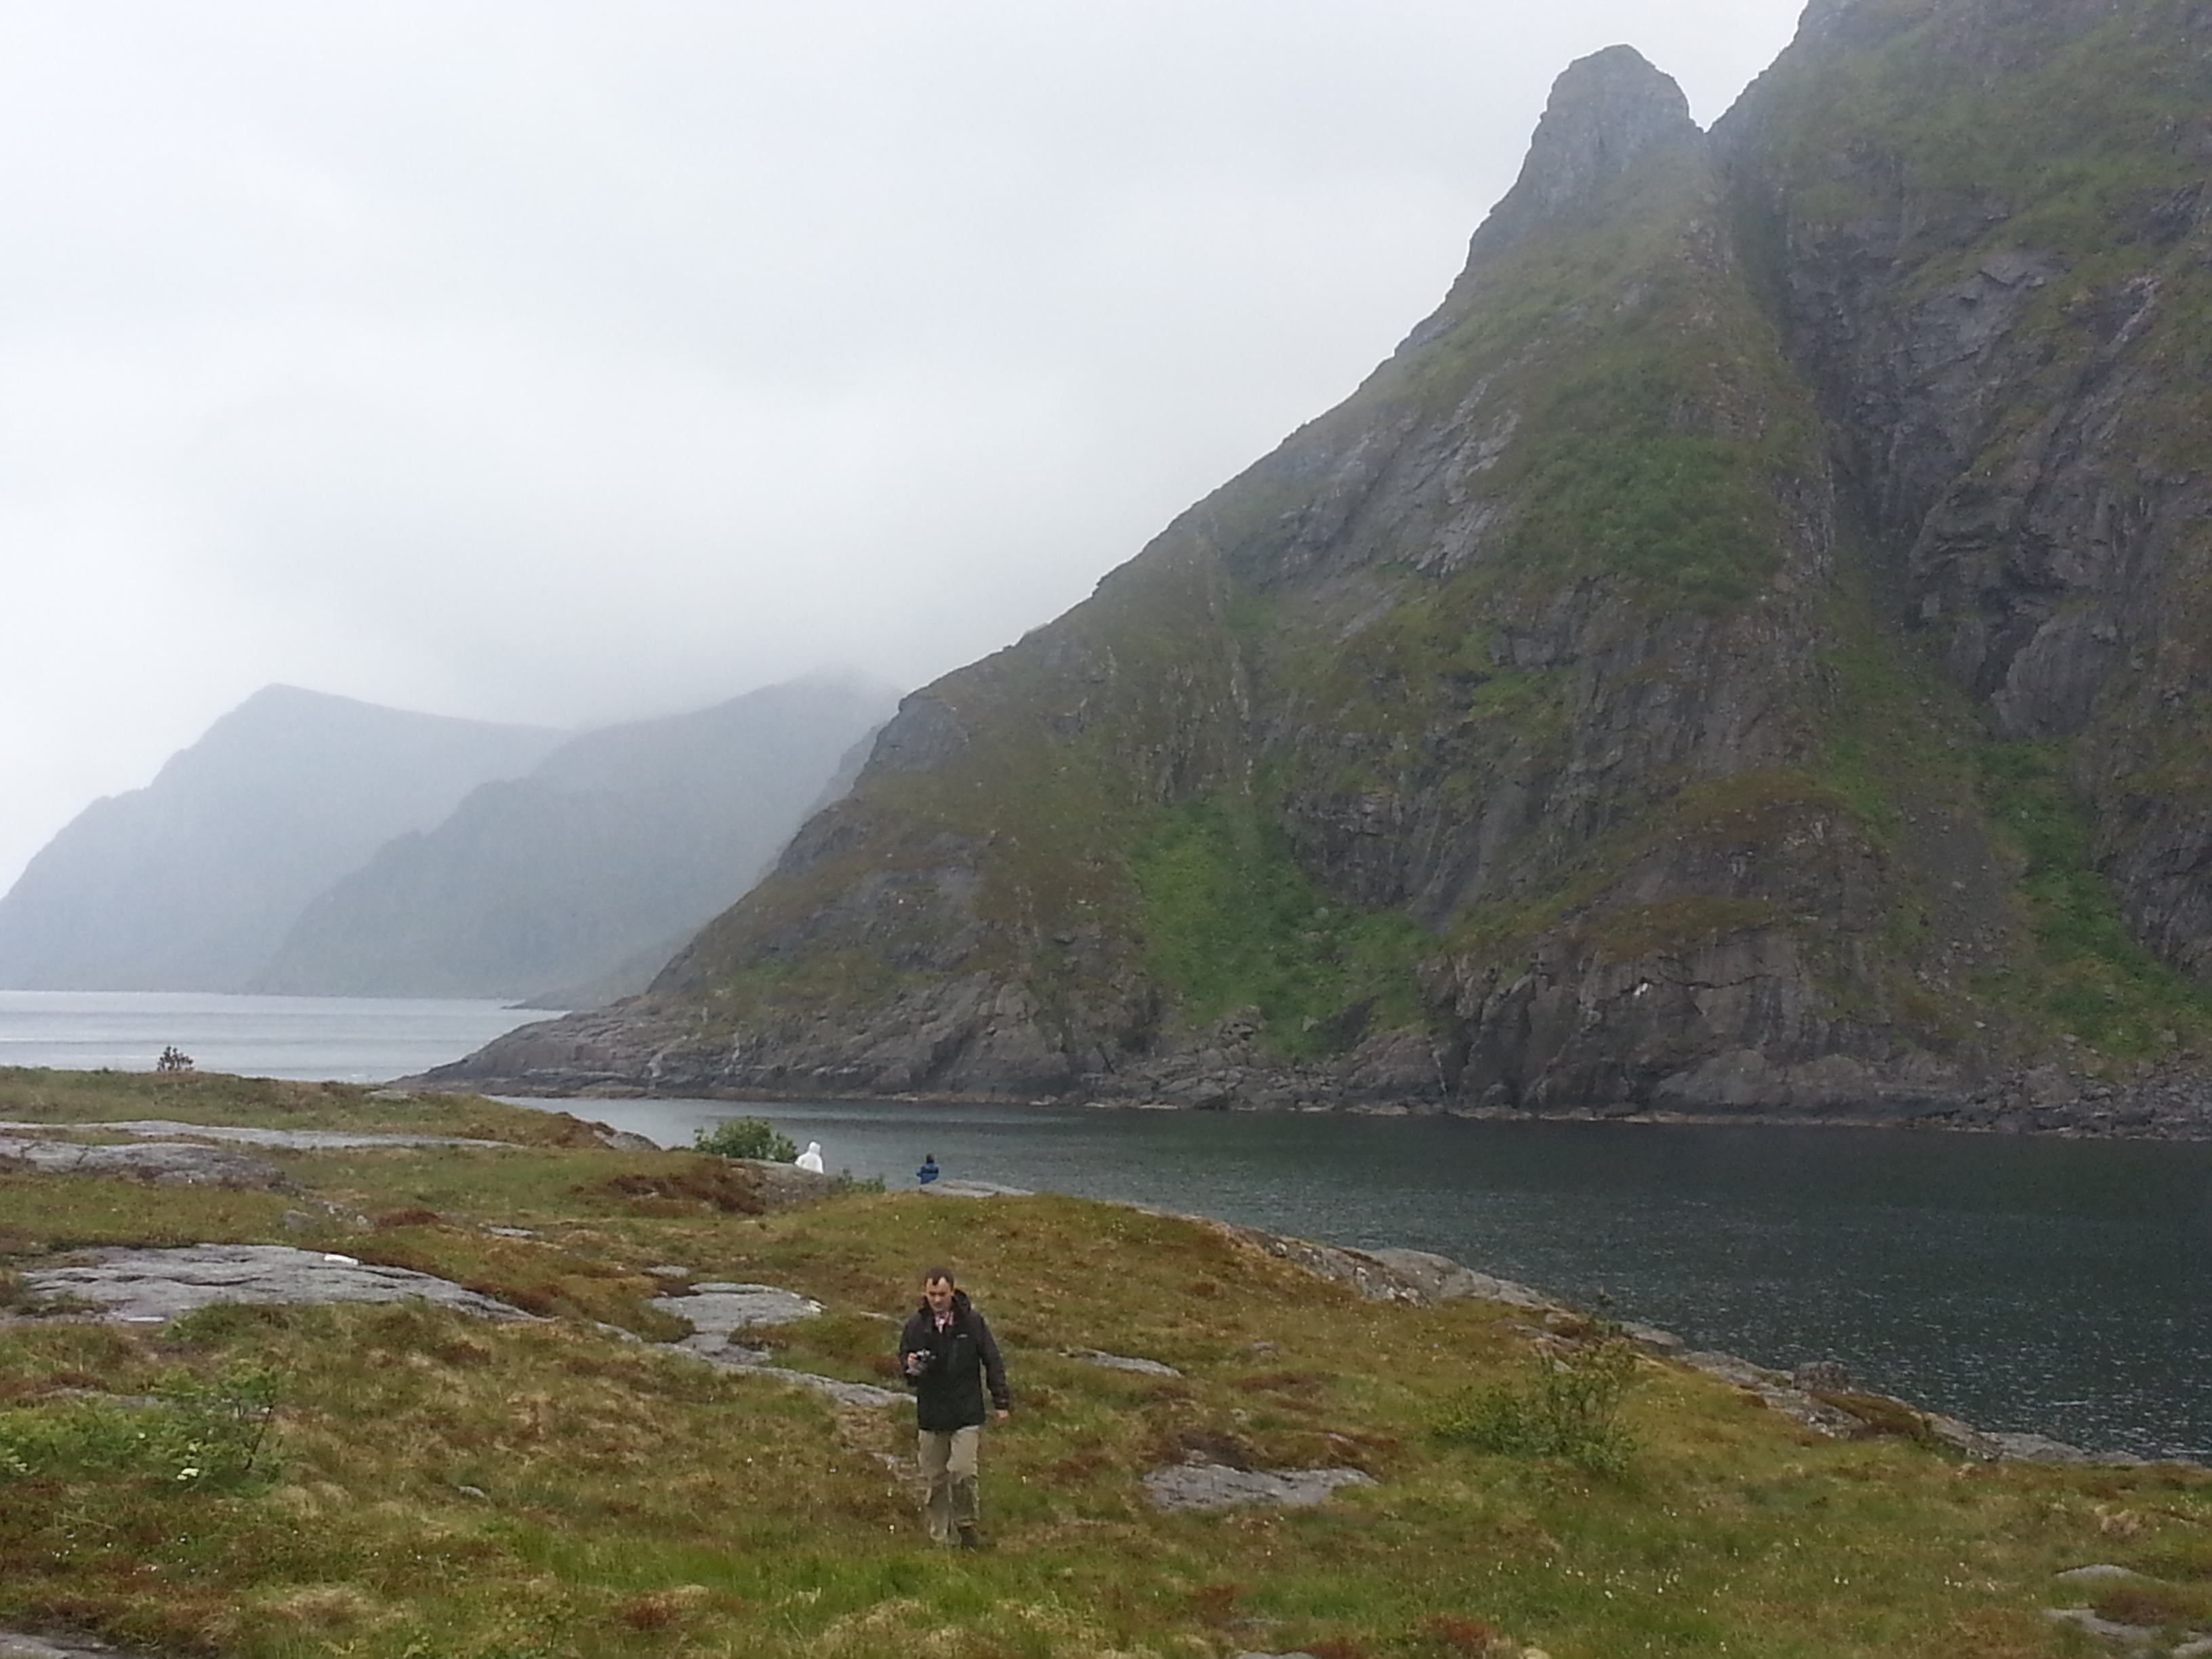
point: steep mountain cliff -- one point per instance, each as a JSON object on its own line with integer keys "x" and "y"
{"x": 190, "y": 882}
{"x": 1746, "y": 653}
{"x": 622, "y": 840}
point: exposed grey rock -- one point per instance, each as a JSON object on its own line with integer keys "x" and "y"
{"x": 301, "y": 1140}
{"x": 718, "y": 1309}
{"x": 156, "y": 1285}
{"x": 2105, "y": 1630}
{"x": 864, "y": 1395}
{"x": 17, "y": 1644}
{"x": 1965, "y": 1438}
{"x": 1830, "y": 1374}
{"x": 1116, "y": 1362}
{"x": 1215, "y": 1486}
{"x": 2039, "y": 1449}
{"x": 1440, "y": 1279}
{"x": 1777, "y": 1391}
{"x": 950, "y": 1187}
{"x": 1651, "y": 1338}
{"x": 2100, "y": 1572}
{"x": 1365, "y": 1272}
{"x": 1606, "y": 113}
{"x": 164, "y": 1164}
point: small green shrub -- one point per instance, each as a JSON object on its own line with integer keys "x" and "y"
{"x": 1570, "y": 1409}
{"x": 202, "y": 1432}
{"x": 746, "y": 1137}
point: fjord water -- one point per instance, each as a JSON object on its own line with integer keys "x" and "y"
{"x": 2063, "y": 1287}
{"x": 2058, "y": 1286}
{"x": 346, "y": 1039}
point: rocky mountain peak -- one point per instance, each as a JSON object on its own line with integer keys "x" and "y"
{"x": 1607, "y": 112}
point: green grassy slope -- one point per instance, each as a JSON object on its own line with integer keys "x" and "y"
{"x": 435, "y": 1485}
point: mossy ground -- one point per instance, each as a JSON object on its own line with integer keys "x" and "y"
{"x": 441, "y": 1485}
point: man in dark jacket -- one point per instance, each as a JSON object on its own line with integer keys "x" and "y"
{"x": 947, "y": 1356}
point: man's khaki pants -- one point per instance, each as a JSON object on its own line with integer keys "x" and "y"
{"x": 948, "y": 1479}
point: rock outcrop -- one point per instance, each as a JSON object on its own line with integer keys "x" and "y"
{"x": 1743, "y": 656}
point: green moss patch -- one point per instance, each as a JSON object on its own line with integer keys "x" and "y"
{"x": 1231, "y": 922}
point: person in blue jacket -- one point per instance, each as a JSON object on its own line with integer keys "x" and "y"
{"x": 928, "y": 1171}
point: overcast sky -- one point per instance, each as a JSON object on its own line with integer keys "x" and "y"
{"x": 567, "y": 362}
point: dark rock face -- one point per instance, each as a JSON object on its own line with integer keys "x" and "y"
{"x": 1746, "y": 654}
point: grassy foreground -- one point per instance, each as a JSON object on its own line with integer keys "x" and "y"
{"x": 434, "y": 1486}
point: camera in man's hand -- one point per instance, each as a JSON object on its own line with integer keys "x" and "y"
{"x": 920, "y": 1362}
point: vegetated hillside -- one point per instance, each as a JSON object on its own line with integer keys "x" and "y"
{"x": 189, "y": 883}
{"x": 621, "y": 840}
{"x": 1746, "y": 653}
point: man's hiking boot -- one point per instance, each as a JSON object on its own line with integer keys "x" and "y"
{"x": 968, "y": 1540}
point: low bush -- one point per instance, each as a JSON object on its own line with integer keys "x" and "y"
{"x": 197, "y": 1431}
{"x": 1570, "y": 1408}
{"x": 746, "y": 1137}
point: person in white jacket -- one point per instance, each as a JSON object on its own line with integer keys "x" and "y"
{"x": 812, "y": 1157}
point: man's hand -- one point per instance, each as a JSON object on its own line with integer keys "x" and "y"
{"x": 1002, "y": 1416}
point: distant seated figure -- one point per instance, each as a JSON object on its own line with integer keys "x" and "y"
{"x": 928, "y": 1171}
{"x": 812, "y": 1157}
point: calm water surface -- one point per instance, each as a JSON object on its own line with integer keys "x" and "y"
{"x": 349, "y": 1039}
{"x": 2063, "y": 1287}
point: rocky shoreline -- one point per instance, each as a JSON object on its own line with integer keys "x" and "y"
{"x": 2172, "y": 1103}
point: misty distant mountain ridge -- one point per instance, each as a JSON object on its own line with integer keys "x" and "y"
{"x": 190, "y": 884}
{"x": 313, "y": 844}
{"x": 597, "y": 866}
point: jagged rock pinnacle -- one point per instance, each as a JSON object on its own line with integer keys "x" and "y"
{"x": 1607, "y": 111}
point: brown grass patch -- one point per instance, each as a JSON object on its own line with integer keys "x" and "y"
{"x": 2152, "y": 1604}
{"x": 1294, "y": 1383}
{"x": 718, "y": 1185}
{"x": 1475, "y": 1636}
{"x": 663, "y": 1609}
{"x": 1215, "y": 1604}
{"x": 410, "y": 1219}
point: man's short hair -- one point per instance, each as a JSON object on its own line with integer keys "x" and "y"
{"x": 939, "y": 1276}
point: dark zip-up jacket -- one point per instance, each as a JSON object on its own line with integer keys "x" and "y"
{"x": 959, "y": 1361}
